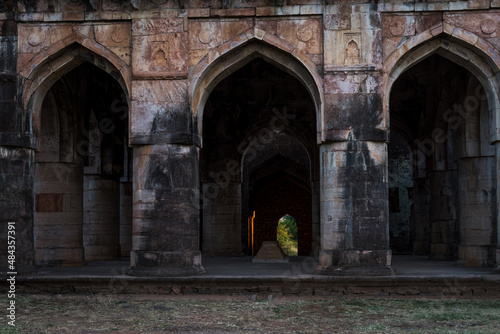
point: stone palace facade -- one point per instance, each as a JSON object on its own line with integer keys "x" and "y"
{"x": 164, "y": 130}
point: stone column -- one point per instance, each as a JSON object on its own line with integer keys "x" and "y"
{"x": 421, "y": 213}
{"x": 101, "y": 222}
{"x": 165, "y": 235}
{"x": 353, "y": 155}
{"x": 16, "y": 157}
{"x": 354, "y": 209}
{"x": 497, "y": 203}
{"x": 16, "y": 206}
{"x": 443, "y": 214}
{"x": 125, "y": 218}
{"x": 316, "y": 242}
{"x": 477, "y": 210}
{"x": 166, "y": 181}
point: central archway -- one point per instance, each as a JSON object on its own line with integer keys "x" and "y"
{"x": 208, "y": 73}
{"x": 257, "y": 116}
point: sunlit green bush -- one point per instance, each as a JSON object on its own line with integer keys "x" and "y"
{"x": 287, "y": 235}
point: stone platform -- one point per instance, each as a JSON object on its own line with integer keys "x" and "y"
{"x": 415, "y": 277}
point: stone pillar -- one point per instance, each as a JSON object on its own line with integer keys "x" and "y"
{"x": 421, "y": 213}
{"x": 497, "y": 202}
{"x": 101, "y": 223}
{"x": 16, "y": 157}
{"x": 222, "y": 219}
{"x": 443, "y": 215}
{"x": 477, "y": 210}
{"x": 16, "y": 205}
{"x": 165, "y": 235}
{"x": 316, "y": 226}
{"x": 125, "y": 218}
{"x": 354, "y": 209}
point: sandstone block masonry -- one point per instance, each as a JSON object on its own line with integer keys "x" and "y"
{"x": 167, "y": 130}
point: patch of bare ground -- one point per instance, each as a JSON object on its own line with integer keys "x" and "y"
{"x": 78, "y": 314}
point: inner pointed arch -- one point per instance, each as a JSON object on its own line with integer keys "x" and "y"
{"x": 225, "y": 65}
{"x": 44, "y": 74}
{"x": 458, "y": 51}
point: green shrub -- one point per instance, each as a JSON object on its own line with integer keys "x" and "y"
{"x": 287, "y": 235}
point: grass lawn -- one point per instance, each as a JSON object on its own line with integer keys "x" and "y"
{"x": 226, "y": 314}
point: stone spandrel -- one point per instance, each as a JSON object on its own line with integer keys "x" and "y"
{"x": 159, "y": 112}
{"x": 160, "y": 48}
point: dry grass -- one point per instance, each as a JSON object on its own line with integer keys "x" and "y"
{"x": 223, "y": 314}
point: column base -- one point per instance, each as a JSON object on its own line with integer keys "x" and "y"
{"x": 496, "y": 269}
{"x": 355, "y": 263}
{"x": 165, "y": 264}
{"x": 473, "y": 256}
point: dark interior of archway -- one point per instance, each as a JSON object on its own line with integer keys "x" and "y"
{"x": 243, "y": 103}
{"x": 429, "y": 137}
{"x": 91, "y": 106}
{"x": 248, "y": 108}
{"x": 275, "y": 191}
{"x": 83, "y": 171}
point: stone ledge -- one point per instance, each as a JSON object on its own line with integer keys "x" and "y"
{"x": 232, "y": 12}
{"x": 305, "y": 285}
{"x": 356, "y": 271}
{"x": 352, "y": 69}
{"x": 277, "y": 11}
{"x": 140, "y": 271}
{"x": 162, "y": 138}
{"x": 256, "y": 260}
{"x": 17, "y": 140}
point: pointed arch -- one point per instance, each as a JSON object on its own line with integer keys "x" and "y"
{"x": 288, "y": 146}
{"x": 234, "y": 54}
{"x": 457, "y": 45}
{"x": 49, "y": 65}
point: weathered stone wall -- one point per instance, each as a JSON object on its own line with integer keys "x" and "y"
{"x": 169, "y": 58}
{"x": 17, "y": 157}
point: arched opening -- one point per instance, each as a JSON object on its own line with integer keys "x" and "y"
{"x": 82, "y": 181}
{"x": 259, "y": 129}
{"x": 277, "y": 188}
{"x": 209, "y": 72}
{"x": 439, "y": 112}
{"x": 287, "y": 235}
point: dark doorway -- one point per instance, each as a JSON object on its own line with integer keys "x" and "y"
{"x": 439, "y": 112}
{"x": 257, "y": 113}
{"x": 83, "y": 189}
